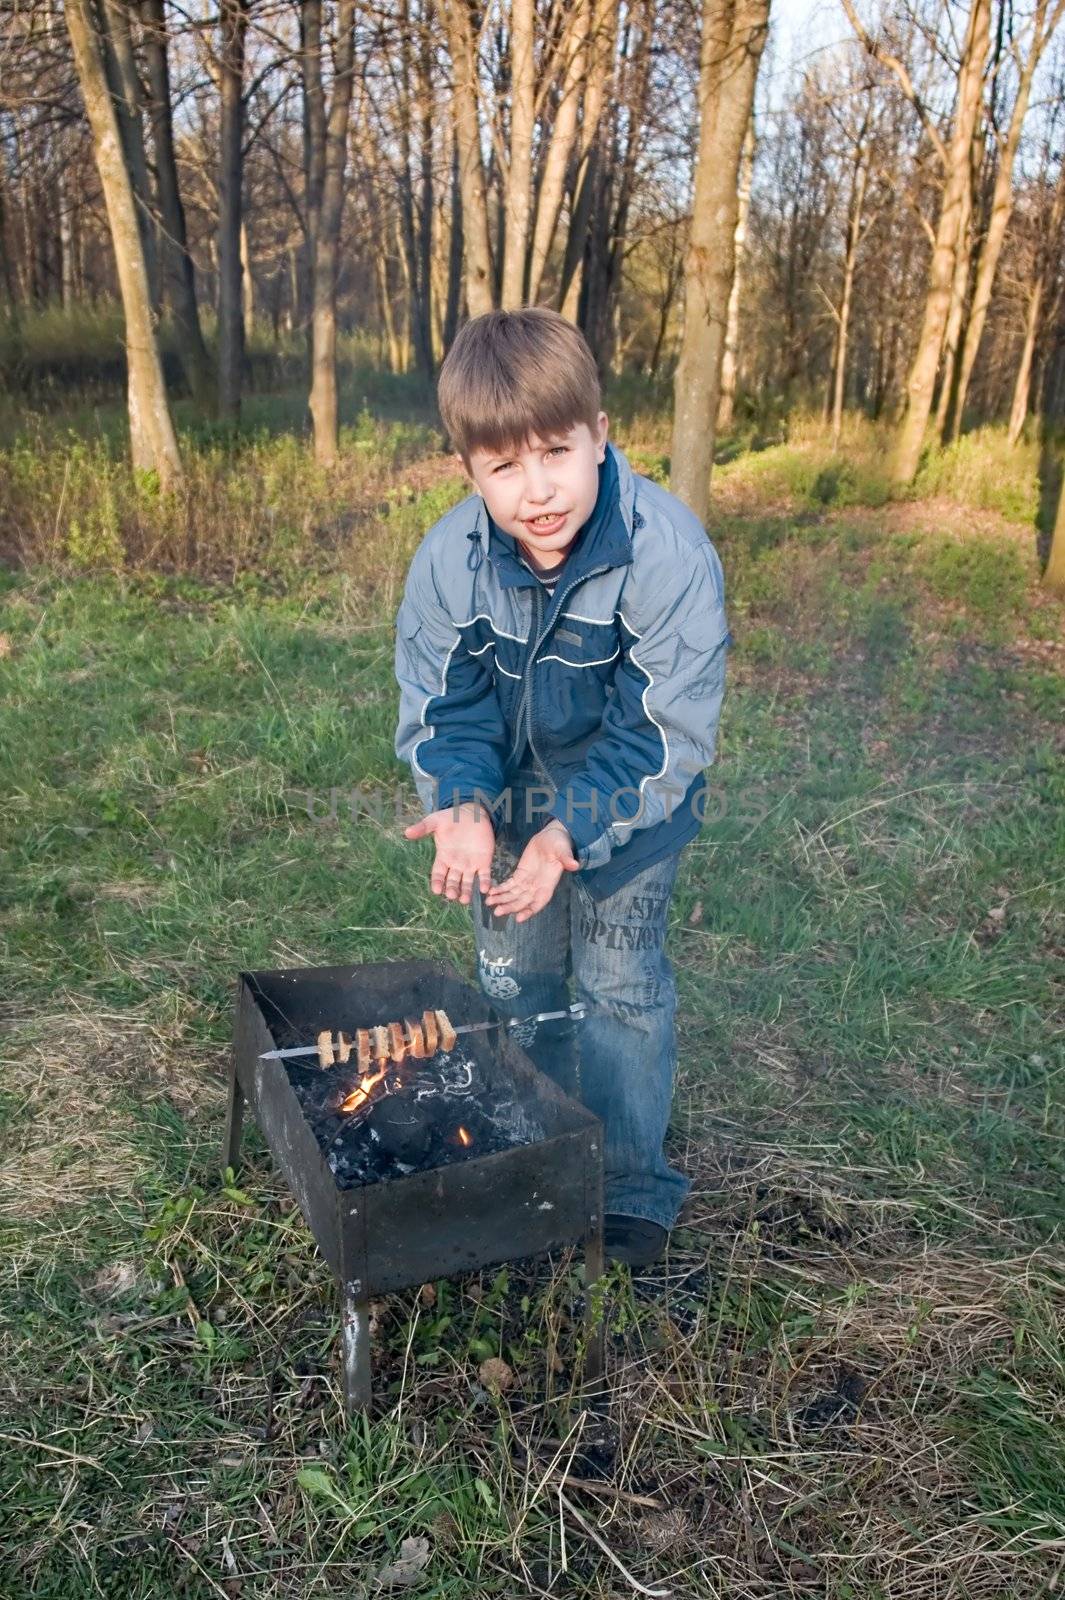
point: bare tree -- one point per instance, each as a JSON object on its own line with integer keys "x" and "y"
{"x": 233, "y": 20}
{"x": 956, "y": 158}
{"x": 179, "y": 274}
{"x": 733, "y": 37}
{"x": 730, "y": 360}
{"x": 518, "y": 177}
{"x": 121, "y": 64}
{"x": 1044, "y": 22}
{"x": 416, "y": 214}
{"x": 856, "y": 230}
{"x": 562, "y": 141}
{"x": 463, "y": 36}
{"x": 593, "y": 149}
{"x": 152, "y": 438}
{"x": 1054, "y": 571}
{"x": 1043, "y": 265}
{"x": 323, "y": 401}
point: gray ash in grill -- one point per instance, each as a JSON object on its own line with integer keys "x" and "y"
{"x": 415, "y": 1123}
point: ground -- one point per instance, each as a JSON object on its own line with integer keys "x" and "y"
{"x": 850, "y": 1380}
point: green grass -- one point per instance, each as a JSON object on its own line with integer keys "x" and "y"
{"x": 981, "y": 472}
{"x": 984, "y": 471}
{"x": 851, "y": 1386}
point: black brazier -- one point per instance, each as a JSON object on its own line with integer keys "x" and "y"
{"x": 478, "y": 1158}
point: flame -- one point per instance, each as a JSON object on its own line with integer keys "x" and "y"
{"x": 364, "y": 1089}
{"x": 465, "y": 1138}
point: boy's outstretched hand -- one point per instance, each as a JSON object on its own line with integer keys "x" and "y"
{"x": 534, "y": 880}
{"x": 464, "y": 846}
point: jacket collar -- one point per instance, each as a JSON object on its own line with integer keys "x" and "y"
{"x": 605, "y": 539}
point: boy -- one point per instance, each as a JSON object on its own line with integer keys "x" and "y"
{"x": 560, "y": 652}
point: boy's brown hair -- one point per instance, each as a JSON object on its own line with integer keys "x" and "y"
{"x": 512, "y": 374}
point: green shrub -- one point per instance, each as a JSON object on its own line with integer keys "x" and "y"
{"x": 811, "y": 475}
{"x": 983, "y": 470}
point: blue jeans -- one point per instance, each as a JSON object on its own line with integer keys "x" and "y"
{"x": 620, "y": 1060}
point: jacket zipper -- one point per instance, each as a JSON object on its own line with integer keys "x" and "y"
{"x": 525, "y": 708}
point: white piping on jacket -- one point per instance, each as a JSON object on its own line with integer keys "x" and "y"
{"x": 650, "y": 777}
{"x": 482, "y": 616}
{"x": 601, "y": 662}
{"x": 425, "y": 706}
{"x": 499, "y": 666}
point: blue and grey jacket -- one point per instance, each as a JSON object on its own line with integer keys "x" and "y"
{"x": 606, "y": 694}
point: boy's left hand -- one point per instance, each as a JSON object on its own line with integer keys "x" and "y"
{"x": 530, "y": 886}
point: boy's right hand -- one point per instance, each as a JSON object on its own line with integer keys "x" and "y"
{"x": 465, "y": 842}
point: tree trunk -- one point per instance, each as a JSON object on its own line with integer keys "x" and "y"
{"x": 734, "y": 34}
{"x": 7, "y": 277}
{"x": 518, "y": 177}
{"x": 560, "y": 148}
{"x": 416, "y": 221}
{"x": 730, "y": 360}
{"x": 293, "y": 309}
{"x": 480, "y": 274}
{"x": 313, "y": 141}
{"x": 605, "y": 326}
{"x": 921, "y": 382}
{"x": 1023, "y": 383}
{"x": 425, "y": 161}
{"x": 151, "y": 429}
{"x": 454, "y": 255}
{"x": 126, "y": 87}
{"x": 591, "y": 310}
{"x": 234, "y": 24}
{"x": 854, "y": 239}
{"x": 179, "y": 276}
{"x": 1054, "y": 572}
{"x": 1001, "y": 209}
{"x": 323, "y": 402}
{"x": 395, "y": 353}
{"x": 959, "y": 289}
{"x": 600, "y": 55}
{"x": 247, "y": 280}
{"x": 66, "y": 243}
{"x": 668, "y": 296}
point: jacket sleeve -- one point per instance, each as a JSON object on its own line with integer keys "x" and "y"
{"x": 451, "y": 728}
{"x": 659, "y": 728}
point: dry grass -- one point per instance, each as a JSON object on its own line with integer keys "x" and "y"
{"x": 789, "y": 1403}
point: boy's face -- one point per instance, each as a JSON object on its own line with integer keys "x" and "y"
{"x": 543, "y": 494}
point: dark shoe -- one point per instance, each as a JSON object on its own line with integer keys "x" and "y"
{"x": 633, "y": 1240}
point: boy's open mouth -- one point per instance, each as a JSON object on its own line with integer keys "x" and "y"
{"x": 547, "y": 524}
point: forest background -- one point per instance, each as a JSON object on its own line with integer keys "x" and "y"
{"x": 818, "y": 254}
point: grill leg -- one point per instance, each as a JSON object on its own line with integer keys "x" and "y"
{"x": 594, "y": 1319}
{"x": 234, "y": 1120}
{"x": 355, "y": 1348}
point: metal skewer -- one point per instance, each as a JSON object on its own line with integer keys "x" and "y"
{"x": 576, "y": 1011}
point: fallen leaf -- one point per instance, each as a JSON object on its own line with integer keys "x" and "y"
{"x": 662, "y": 1530}
{"x": 117, "y": 1278}
{"x": 495, "y": 1374}
{"x": 5, "y": 646}
{"x": 173, "y": 1515}
{"x": 695, "y": 915}
{"x": 427, "y": 1294}
{"x": 401, "y": 1573}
